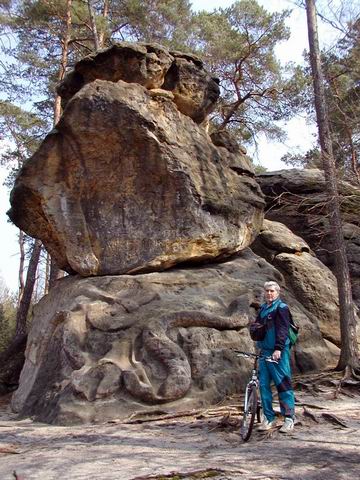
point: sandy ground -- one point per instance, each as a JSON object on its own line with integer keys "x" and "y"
{"x": 324, "y": 445}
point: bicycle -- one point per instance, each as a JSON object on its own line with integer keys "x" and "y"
{"x": 252, "y": 401}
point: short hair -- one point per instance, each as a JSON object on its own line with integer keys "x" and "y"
{"x": 273, "y": 285}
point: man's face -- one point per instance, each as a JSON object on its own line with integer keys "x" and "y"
{"x": 271, "y": 294}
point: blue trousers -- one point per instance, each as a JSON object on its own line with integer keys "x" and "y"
{"x": 280, "y": 375}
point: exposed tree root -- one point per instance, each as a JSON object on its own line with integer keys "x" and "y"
{"x": 193, "y": 475}
{"x": 329, "y": 417}
{"x": 159, "y": 415}
{"x": 351, "y": 373}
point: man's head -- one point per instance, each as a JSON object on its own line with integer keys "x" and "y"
{"x": 272, "y": 291}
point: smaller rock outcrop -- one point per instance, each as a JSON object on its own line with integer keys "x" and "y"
{"x": 298, "y": 199}
{"x": 312, "y": 283}
{"x": 194, "y": 91}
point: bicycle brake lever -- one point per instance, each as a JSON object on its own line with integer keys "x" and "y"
{"x": 271, "y": 360}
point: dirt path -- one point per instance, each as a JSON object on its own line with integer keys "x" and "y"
{"x": 325, "y": 445}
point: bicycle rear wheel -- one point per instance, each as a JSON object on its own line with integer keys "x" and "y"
{"x": 250, "y": 412}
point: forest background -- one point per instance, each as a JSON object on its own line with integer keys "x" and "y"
{"x": 256, "y": 49}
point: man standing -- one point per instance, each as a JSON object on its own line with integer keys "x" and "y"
{"x": 275, "y": 316}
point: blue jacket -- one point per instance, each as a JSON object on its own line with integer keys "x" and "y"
{"x": 276, "y": 316}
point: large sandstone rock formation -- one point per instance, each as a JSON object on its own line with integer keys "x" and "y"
{"x": 130, "y": 182}
{"x": 297, "y": 198}
{"x": 104, "y": 347}
{"x": 127, "y": 182}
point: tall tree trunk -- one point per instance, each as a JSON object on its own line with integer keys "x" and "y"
{"x": 47, "y": 273}
{"x": 354, "y": 161}
{"x": 349, "y": 356}
{"x": 21, "y": 265}
{"x": 105, "y": 14}
{"x": 93, "y": 25}
{"x": 64, "y": 59}
{"x": 24, "y": 306}
{"x": 55, "y": 272}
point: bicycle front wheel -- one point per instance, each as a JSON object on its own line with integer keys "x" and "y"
{"x": 250, "y": 411}
{"x": 259, "y": 413}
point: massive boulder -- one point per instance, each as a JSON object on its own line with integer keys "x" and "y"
{"x": 297, "y": 198}
{"x": 104, "y": 347}
{"x": 127, "y": 183}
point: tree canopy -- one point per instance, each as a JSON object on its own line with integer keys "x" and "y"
{"x": 238, "y": 44}
{"x": 341, "y": 66}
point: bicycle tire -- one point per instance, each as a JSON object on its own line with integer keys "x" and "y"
{"x": 259, "y": 413}
{"x": 249, "y": 414}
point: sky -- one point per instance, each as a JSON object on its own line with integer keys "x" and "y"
{"x": 300, "y": 135}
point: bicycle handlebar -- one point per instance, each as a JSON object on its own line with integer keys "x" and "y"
{"x": 254, "y": 355}
{"x": 245, "y": 354}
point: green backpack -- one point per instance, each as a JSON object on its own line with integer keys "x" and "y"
{"x": 293, "y": 331}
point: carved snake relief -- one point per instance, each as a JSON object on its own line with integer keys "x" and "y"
{"x": 139, "y": 345}
{"x": 157, "y": 343}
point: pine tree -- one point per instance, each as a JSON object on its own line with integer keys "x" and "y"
{"x": 238, "y": 45}
{"x": 349, "y": 357}
{"x": 341, "y": 70}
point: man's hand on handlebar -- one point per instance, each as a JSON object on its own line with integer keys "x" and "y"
{"x": 276, "y": 355}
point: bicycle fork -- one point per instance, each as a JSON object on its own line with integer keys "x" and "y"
{"x": 253, "y": 381}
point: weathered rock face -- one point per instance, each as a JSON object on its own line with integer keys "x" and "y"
{"x": 145, "y": 195}
{"x": 297, "y": 199}
{"x": 127, "y": 183}
{"x": 309, "y": 279}
{"x": 104, "y": 347}
{"x": 223, "y": 138}
{"x": 129, "y": 62}
{"x": 195, "y": 92}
